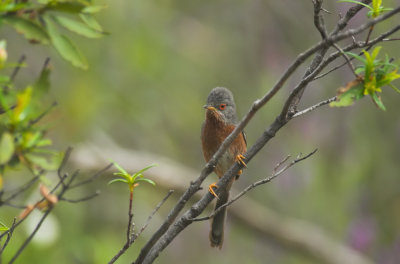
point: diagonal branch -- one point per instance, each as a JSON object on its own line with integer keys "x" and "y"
{"x": 275, "y": 174}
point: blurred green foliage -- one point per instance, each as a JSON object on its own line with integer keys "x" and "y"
{"x": 145, "y": 87}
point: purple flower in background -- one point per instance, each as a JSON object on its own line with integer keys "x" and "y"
{"x": 362, "y": 233}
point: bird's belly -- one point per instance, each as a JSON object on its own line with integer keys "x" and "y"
{"x": 224, "y": 163}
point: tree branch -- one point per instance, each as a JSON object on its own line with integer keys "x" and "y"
{"x": 275, "y": 174}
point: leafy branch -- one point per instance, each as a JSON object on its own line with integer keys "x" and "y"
{"x": 132, "y": 180}
{"x": 376, "y": 74}
{"x": 40, "y": 22}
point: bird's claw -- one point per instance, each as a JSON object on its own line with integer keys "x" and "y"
{"x": 211, "y": 189}
{"x": 240, "y": 158}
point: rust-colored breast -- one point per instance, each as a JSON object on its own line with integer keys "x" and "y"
{"x": 214, "y": 132}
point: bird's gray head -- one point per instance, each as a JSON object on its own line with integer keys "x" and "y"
{"x": 220, "y": 101}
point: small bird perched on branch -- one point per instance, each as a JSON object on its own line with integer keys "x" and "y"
{"x": 220, "y": 121}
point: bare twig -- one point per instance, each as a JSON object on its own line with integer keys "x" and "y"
{"x": 67, "y": 154}
{"x": 83, "y": 199}
{"x": 319, "y": 21}
{"x": 275, "y": 174}
{"x": 16, "y": 69}
{"x": 154, "y": 212}
{"x": 45, "y": 112}
{"x": 369, "y": 33}
{"x": 347, "y": 59}
{"x": 91, "y": 179}
{"x": 311, "y": 108}
{"x": 20, "y": 190}
{"x": 9, "y": 235}
{"x": 131, "y": 236}
{"x": 26, "y": 242}
{"x": 349, "y": 15}
{"x": 391, "y": 39}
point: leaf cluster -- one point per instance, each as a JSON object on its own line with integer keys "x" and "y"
{"x": 131, "y": 179}
{"x": 376, "y": 74}
{"x": 22, "y": 139}
{"x": 40, "y": 22}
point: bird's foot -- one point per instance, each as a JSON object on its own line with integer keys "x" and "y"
{"x": 240, "y": 158}
{"x": 211, "y": 189}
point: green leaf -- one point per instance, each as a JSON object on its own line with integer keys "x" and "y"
{"x": 375, "y": 52}
{"x": 78, "y": 27}
{"x": 4, "y": 79}
{"x": 359, "y": 70}
{"x": 348, "y": 97}
{"x": 378, "y": 102}
{"x": 91, "y": 22}
{"x": 23, "y": 100}
{"x": 42, "y": 84}
{"x": 388, "y": 78}
{"x": 122, "y": 171}
{"x": 12, "y": 7}
{"x": 66, "y": 7}
{"x": 355, "y": 2}
{"x": 93, "y": 9}
{"x": 29, "y": 29}
{"x": 6, "y": 147}
{"x": 118, "y": 180}
{"x": 3, "y": 227}
{"x": 394, "y": 87}
{"x": 44, "y": 142}
{"x": 146, "y": 180}
{"x": 30, "y": 139}
{"x": 65, "y": 47}
{"x": 356, "y": 56}
{"x": 47, "y": 163}
{"x": 146, "y": 168}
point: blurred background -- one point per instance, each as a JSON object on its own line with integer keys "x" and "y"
{"x": 144, "y": 93}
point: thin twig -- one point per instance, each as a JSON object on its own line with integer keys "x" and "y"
{"x": 392, "y": 39}
{"x": 154, "y": 212}
{"x": 91, "y": 179}
{"x": 131, "y": 236}
{"x": 369, "y": 34}
{"x": 347, "y": 59}
{"x": 83, "y": 199}
{"x": 9, "y": 235}
{"x": 20, "y": 189}
{"x": 26, "y": 242}
{"x": 311, "y": 108}
{"x": 45, "y": 112}
{"x": 319, "y": 21}
{"x": 275, "y": 174}
{"x": 67, "y": 154}
{"x": 16, "y": 69}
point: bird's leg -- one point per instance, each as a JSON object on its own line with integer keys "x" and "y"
{"x": 211, "y": 189}
{"x": 240, "y": 158}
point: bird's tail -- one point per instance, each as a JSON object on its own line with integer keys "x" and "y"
{"x": 218, "y": 221}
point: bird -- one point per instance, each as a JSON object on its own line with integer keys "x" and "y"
{"x": 220, "y": 121}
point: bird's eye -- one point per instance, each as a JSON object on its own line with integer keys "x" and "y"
{"x": 222, "y": 106}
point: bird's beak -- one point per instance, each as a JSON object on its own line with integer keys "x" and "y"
{"x": 209, "y": 107}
